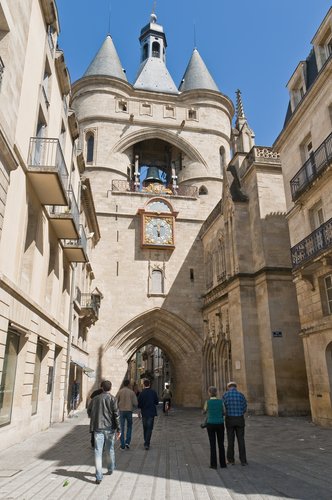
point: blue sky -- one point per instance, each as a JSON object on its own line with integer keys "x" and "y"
{"x": 251, "y": 45}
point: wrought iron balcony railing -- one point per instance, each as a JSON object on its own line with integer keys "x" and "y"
{"x": 123, "y": 186}
{"x": 312, "y": 168}
{"x": 46, "y": 154}
{"x": 89, "y": 301}
{"x": 310, "y": 247}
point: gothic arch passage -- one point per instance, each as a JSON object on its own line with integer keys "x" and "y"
{"x": 175, "y": 337}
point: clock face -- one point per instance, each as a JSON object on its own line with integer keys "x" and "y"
{"x": 158, "y": 231}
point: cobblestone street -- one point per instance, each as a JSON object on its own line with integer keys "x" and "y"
{"x": 288, "y": 458}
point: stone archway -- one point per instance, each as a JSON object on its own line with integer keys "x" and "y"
{"x": 174, "y": 336}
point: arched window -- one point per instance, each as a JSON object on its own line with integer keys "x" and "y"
{"x": 202, "y": 190}
{"x": 90, "y": 143}
{"x": 145, "y": 52}
{"x": 157, "y": 281}
{"x": 155, "y": 49}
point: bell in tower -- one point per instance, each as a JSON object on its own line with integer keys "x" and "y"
{"x": 152, "y": 176}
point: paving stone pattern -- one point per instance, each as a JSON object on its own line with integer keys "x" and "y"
{"x": 288, "y": 458}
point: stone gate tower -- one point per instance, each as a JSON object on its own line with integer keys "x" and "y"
{"x": 154, "y": 155}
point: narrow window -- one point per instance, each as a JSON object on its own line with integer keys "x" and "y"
{"x": 202, "y": 190}
{"x": 328, "y": 288}
{"x": 222, "y": 154}
{"x": 36, "y": 378}
{"x": 123, "y": 106}
{"x": 157, "y": 282}
{"x": 192, "y": 114}
{"x": 169, "y": 112}
{"x": 191, "y": 273}
{"x": 155, "y": 49}
{"x": 90, "y": 143}
{"x": 8, "y": 377}
{"x": 145, "y": 52}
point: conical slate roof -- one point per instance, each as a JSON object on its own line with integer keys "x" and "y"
{"x": 197, "y": 76}
{"x": 154, "y": 75}
{"x": 106, "y": 62}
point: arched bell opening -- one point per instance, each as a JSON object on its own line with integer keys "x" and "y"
{"x": 156, "y": 162}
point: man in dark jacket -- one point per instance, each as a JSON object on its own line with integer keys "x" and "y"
{"x": 147, "y": 403}
{"x": 104, "y": 423}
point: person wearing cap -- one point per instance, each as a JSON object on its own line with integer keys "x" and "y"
{"x": 236, "y": 406}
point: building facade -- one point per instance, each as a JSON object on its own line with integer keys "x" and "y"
{"x": 305, "y": 144}
{"x": 157, "y": 159}
{"x": 48, "y": 228}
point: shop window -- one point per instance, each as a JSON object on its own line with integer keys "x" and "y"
{"x": 8, "y": 377}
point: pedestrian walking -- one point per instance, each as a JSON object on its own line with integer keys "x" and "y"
{"x": 166, "y": 397}
{"x": 93, "y": 395}
{"x": 75, "y": 396}
{"x": 236, "y": 406}
{"x": 105, "y": 423}
{"x": 213, "y": 408}
{"x": 127, "y": 401}
{"x": 147, "y": 403}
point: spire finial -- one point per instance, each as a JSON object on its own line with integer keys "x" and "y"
{"x": 239, "y": 105}
{"x": 195, "y": 42}
{"x": 153, "y": 17}
{"x": 109, "y": 17}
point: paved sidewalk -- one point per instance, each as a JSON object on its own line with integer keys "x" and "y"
{"x": 288, "y": 458}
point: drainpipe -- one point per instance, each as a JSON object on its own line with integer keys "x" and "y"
{"x": 70, "y": 325}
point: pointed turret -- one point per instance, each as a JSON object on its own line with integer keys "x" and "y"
{"x": 243, "y": 136}
{"x": 153, "y": 73}
{"x": 197, "y": 76}
{"x": 106, "y": 62}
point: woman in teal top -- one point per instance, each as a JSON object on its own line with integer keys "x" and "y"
{"x": 214, "y": 410}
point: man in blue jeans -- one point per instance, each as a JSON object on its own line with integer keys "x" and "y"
{"x": 147, "y": 403}
{"x": 104, "y": 423}
{"x": 127, "y": 401}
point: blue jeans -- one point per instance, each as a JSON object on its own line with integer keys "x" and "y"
{"x": 126, "y": 416}
{"x": 104, "y": 437}
{"x": 147, "y": 429}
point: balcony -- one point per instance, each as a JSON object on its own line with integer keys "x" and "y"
{"x": 313, "y": 168}
{"x": 47, "y": 171}
{"x": 122, "y": 186}
{"x": 65, "y": 219}
{"x": 89, "y": 305}
{"x": 76, "y": 250}
{"x": 313, "y": 246}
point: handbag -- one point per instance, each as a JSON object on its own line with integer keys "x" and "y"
{"x": 204, "y": 423}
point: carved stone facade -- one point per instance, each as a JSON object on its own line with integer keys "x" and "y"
{"x": 226, "y": 287}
